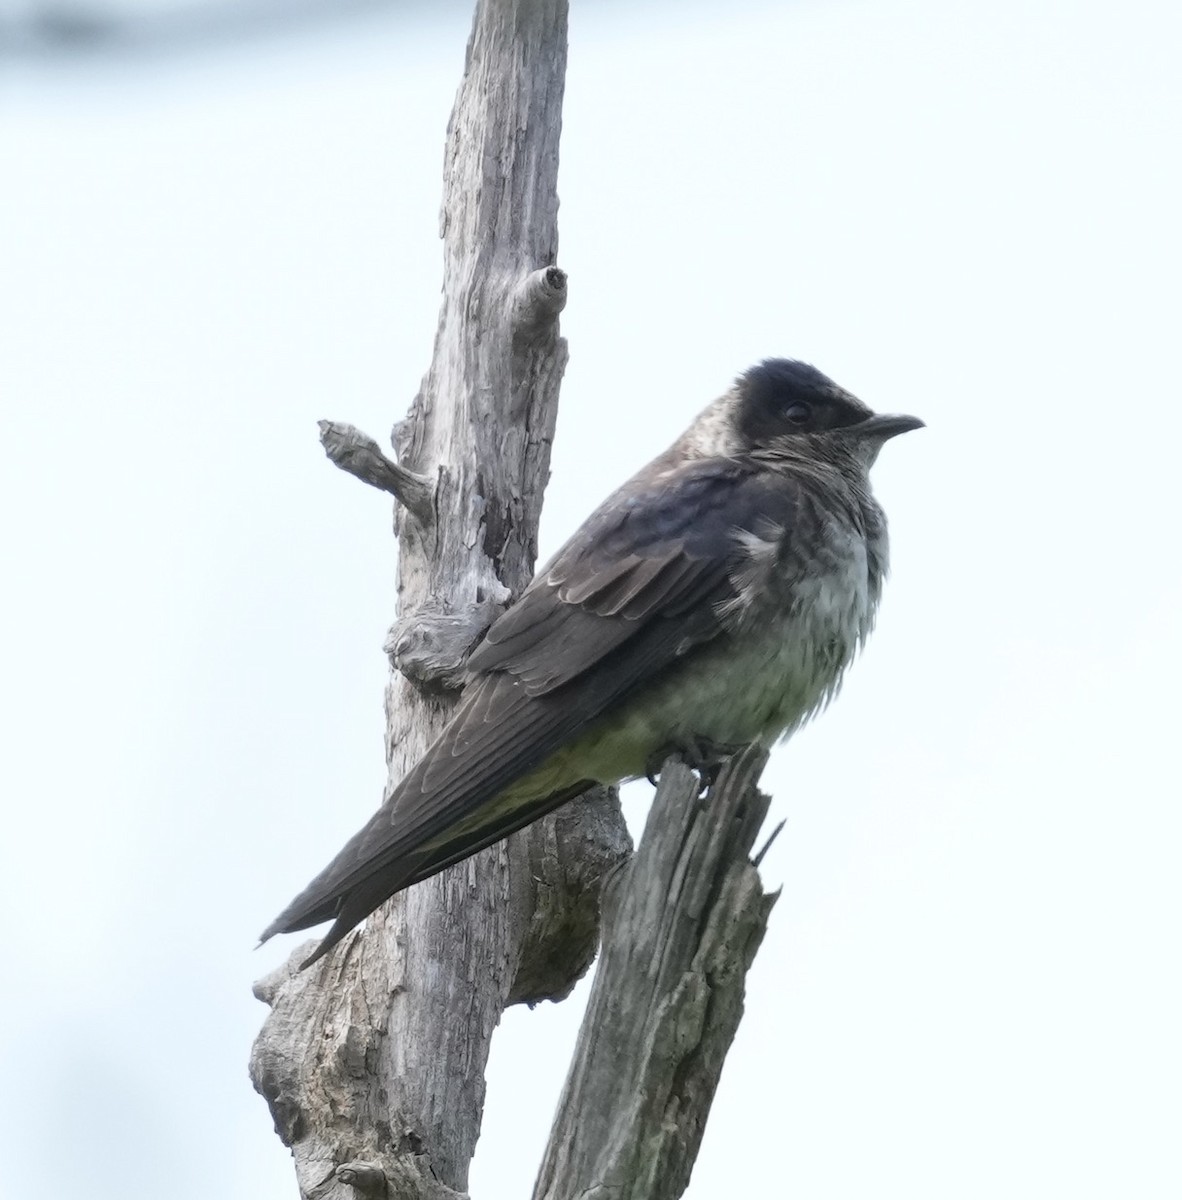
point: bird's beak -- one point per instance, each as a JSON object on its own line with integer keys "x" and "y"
{"x": 881, "y": 426}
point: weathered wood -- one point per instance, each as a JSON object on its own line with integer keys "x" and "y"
{"x": 373, "y": 1060}
{"x": 681, "y": 924}
{"x": 361, "y": 456}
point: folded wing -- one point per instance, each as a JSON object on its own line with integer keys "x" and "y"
{"x": 639, "y": 585}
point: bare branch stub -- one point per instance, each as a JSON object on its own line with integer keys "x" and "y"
{"x": 366, "y": 1178}
{"x": 681, "y": 925}
{"x": 758, "y": 858}
{"x": 539, "y": 298}
{"x": 356, "y": 452}
{"x": 430, "y": 646}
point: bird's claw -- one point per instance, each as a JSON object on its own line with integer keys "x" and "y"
{"x": 702, "y": 755}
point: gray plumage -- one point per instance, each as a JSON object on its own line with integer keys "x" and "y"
{"x": 715, "y": 599}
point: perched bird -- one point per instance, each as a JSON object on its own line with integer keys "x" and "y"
{"x": 714, "y": 600}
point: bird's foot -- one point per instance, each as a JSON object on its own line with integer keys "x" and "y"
{"x": 701, "y": 754}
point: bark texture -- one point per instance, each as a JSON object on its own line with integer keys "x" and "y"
{"x": 681, "y": 924}
{"x": 373, "y": 1060}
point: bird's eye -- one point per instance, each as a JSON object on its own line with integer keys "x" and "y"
{"x": 798, "y": 412}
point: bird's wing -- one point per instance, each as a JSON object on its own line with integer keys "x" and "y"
{"x": 639, "y": 585}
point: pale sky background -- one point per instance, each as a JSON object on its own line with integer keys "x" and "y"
{"x": 971, "y": 986}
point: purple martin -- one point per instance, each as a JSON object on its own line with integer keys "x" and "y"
{"x": 714, "y": 600}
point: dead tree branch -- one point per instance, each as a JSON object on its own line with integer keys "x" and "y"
{"x": 361, "y": 456}
{"x": 373, "y": 1060}
{"x": 681, "y": 925}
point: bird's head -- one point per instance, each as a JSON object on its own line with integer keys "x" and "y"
{"x": 787, "y": 409}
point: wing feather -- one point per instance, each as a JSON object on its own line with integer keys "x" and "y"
{"x": 643, "y": 580}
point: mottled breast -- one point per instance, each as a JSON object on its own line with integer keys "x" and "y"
{"x": 804, "y": 603}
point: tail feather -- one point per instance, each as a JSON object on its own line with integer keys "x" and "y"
{"x": 324, "y": 900}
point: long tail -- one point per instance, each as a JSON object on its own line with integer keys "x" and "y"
{"x": 326, "y": 899}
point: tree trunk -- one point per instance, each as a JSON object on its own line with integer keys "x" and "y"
{"x": 375, "y": 1057}
{"x": 373, "y": 1060}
